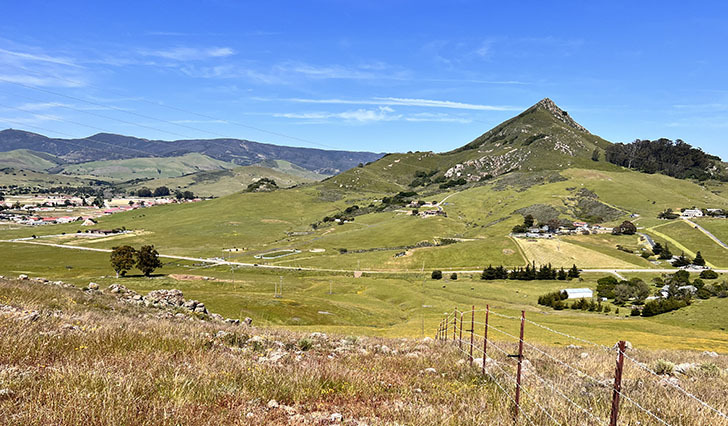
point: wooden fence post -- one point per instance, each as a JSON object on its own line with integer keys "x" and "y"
{"x": 518, "y": 373}
{"x": 460, "y": 338}
{"x": 617, "y": 383}
{"x": 472, "y": 330}
{"x": 485, "y": 338}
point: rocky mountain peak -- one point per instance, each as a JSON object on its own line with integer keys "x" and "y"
{"x": 558, "y": 113}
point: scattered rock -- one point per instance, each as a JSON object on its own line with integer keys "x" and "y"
{"x": 93, "y": 286}
{"x": 248, "y": 321}
{"x": 31, "y": 316}
{"x": 273, "y": 404}
{"x": 711, "y": 354}
{"x": 431, "y": 370}
{"x": 584, "y": 355}
{"x": 336, "y": 417}
{"x": 22, "y": 277}
{"x": 684, "y": 368}
{"x": 6, "y": 394}
{"x": 573, "y": 347}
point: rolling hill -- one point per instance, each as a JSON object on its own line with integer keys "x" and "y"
{"x": 25, "y": 159}
{"x": 154, "y": 167}
{"x": 223, "y": 182}
{"x": 106, "y": 146}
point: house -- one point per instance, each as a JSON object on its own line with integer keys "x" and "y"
{"x": 579, "y": 293}
{"x": 692, "y": 213}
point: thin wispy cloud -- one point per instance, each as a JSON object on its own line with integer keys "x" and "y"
{"x": 364, "y": 115}
{"x": 392, "y": 101}
{"x": 49, "y": 81}
{"x": 189, "y": 53}
{"x": 35, "y": 57}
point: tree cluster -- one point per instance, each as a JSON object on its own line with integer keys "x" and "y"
{"x": 529, "y": 273}
{"x": 124, "y": 258}
{"x": 625, "y": 228}
{"x": 677, "y": 159}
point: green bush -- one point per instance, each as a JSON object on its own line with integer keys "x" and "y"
{"x": 708, "y": 274}
{"x": 664, "y": 367}
{"x": 436, "y": 275}
{"x": 305, "y": 344}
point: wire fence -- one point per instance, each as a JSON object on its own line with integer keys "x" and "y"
{"x": 496, "y": 360}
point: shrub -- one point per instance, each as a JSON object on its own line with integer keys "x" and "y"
{"x": 664, "y": 367}
{"x": 709, "y": 369}
{"x": 305, "y": 344}
{"x": 436, "y": 275}
{"x": 708, "y": 274}
{"x": 635, "y": 311}
{"x": 454, "y": 276}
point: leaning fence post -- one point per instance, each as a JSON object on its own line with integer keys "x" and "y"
{"x": 617, "y": 383}
{"x": 472, "y": 330}
{"x": 518, "y": 374}
{"x": 485, "y": 338}
{"x": 460, "y": 338}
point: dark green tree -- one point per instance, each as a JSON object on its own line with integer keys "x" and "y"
{"x": 436, "y": 275}
{"x": 665, "y": 253}
{"x": 574, "y": 272}
{"x": 122, "y": 259}
{"x": 161, "y": 191}
{"x": 595, "y": 154}
{"x": 148, "y": 260}
{"x": 699, "y": 259}
{"x": 528, "y": 221}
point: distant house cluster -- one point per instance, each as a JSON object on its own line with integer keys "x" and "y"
{"x": 575, "y": 228}
{"x": 693, "y": 212}
{"x": 49, "y": 210}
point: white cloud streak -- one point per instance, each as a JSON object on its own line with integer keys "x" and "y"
{"x": 393, "y": 101}
{"x": 189, "y": 53}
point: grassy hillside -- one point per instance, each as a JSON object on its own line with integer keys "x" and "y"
{"x": 219, "y": 183}
{"x": 25, "y": 159}
{"x": 62, "y": 349}
{"x": 134, "y": 168}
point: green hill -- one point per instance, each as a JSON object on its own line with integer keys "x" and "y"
{"x": 544, "y": 137}
{"x": 219, "y": 183}
{"x": 154, "y": 167}
{"x": 25, "y": 159}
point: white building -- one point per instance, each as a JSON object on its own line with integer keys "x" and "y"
{"x": 579, "y": 293}
{"x": 692, "y": 213}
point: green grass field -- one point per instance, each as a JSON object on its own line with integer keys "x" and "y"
{"x": 385, "y": 305}
{"x": 692, "y": 240}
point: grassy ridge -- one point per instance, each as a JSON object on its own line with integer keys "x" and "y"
{"x": 126, "y": 364}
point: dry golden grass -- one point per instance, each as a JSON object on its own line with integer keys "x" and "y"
{"x": 91, "y": 359}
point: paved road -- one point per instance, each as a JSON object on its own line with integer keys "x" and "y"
{"x": 296, "y": 268}
{"x": 648, "y": 238}
{"x": 706, "y": 232}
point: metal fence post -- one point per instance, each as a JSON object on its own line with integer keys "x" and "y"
{"x": 454, "y": 323}
{"x": 472, "y": 330}
{"x": 518, "y": 374}
{"x": 617, "y": 384}
{"x": 447, "y": 321}
{"x": 485, "y": 338}
{"x": 460, "y": 338}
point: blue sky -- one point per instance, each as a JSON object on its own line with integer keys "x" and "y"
{"x": 377, "y": 76}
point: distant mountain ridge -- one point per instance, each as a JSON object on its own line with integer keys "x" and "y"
{"x": 106, "y": 146}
